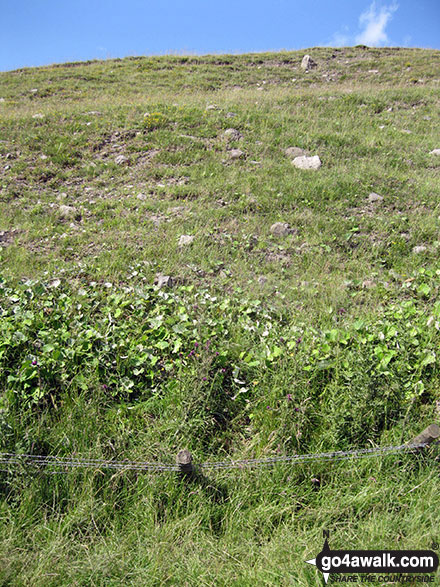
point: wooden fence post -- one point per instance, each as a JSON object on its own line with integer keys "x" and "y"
{"x": 428, "y": 436}
{"x": 184, "y": 460}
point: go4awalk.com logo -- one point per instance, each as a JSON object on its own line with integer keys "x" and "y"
{"x": 374, "y": 566}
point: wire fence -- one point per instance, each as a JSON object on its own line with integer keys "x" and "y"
{"x": 10, "y": 462}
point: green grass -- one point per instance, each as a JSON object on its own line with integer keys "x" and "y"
{"x": 324, "y": 339}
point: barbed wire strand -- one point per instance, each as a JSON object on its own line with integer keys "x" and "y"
{"x": 47, "y": 463}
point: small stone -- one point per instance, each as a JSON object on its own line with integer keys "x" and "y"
{"x": 121, "y": 159}
{"x": 43, "y": 157}
{"x": 38, "y": 115}
{"x": 426, "y": 118}
{"x": 141, "y": 197}
{"x": 61, "y": 196}
{"x": 236, "y": 154}
{"x": 212, "y": 107}
{"x": 293, "y": 152}
{"x": 34, "y": 90}
{"x": 406, "y": 131}
{"x": 374, "y": 198}
{"x": 185, "y": 239}
{"x": 281, "y": 229}
{"x": 262, "y": 280}
{"x": 419, "y": 249}
{"x": 304, "y": 162}
{"x": 368, "y": 284}
{"x": 233, "y": 134}
{"x": 307, "y": 63}
{"x": 230, "y": 115}
{"x": 68, "y": 212}
{"x": 373, "y": 71}
{"x": 94, "y": 113}
{"x": 435, "y": 152}
{"x": 164, "y": 280}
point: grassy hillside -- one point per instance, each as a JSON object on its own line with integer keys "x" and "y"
{"x": 319, "y": 333}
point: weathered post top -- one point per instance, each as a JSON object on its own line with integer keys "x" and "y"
{"x": 184, "y": 460}
{"x": 429, "y": 435}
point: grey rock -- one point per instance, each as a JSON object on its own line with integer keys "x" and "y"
{"x": 230, "y": 115}
{"x": 368, "y": 284}
{"x": 185, "y": 239}
{"x": 293, "y": 152}
{"x": 374, "y": 198}
{"x": 282, "y": 229}
{"x": 304, "y": 162}
{"x": 212, "y": 107}
{"x": 164, "y": 280}
{"x": 435, "y": 152}
{"x": 121, "y": 159}
{"x": 38, "y": 115}
{"x": 68, "y": 212}
{"x": 262, "y": 280}
{"x": 419, "y": 249}
{"x": 236, "y": 154}
{"x": 233, "y": 134}
{"x": 307, "y": 63}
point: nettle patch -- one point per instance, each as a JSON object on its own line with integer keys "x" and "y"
{"x": 134, "y": 342}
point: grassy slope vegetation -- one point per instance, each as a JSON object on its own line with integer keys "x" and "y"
{"x": 323, "y": 338}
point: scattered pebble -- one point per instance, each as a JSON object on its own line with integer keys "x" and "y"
{"x": 68, "y": 212}
{"x": 233, "y": 134}
{"x": 435, "y": 152}
{"x": 163, "y": 280}
{"x": 304, "y": 162}
{"x": 185, "y": 239}
{"x": 212, "y": 107}
{"x": 230, "y": 115}
{"x": 368, "y": 284}
{"x": 374, "y": 198}
{"x": 38, "y": 115}
{"x": 419, "y": 249}
{"x": 282, "y": 229}
{"x": 236, "y": 153}
{"x": 121, "y": 159}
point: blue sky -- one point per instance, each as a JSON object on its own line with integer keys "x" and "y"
{"x": 40, "y": 32}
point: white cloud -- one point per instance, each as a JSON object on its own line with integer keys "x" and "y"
{"x": 374, "y": 23}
